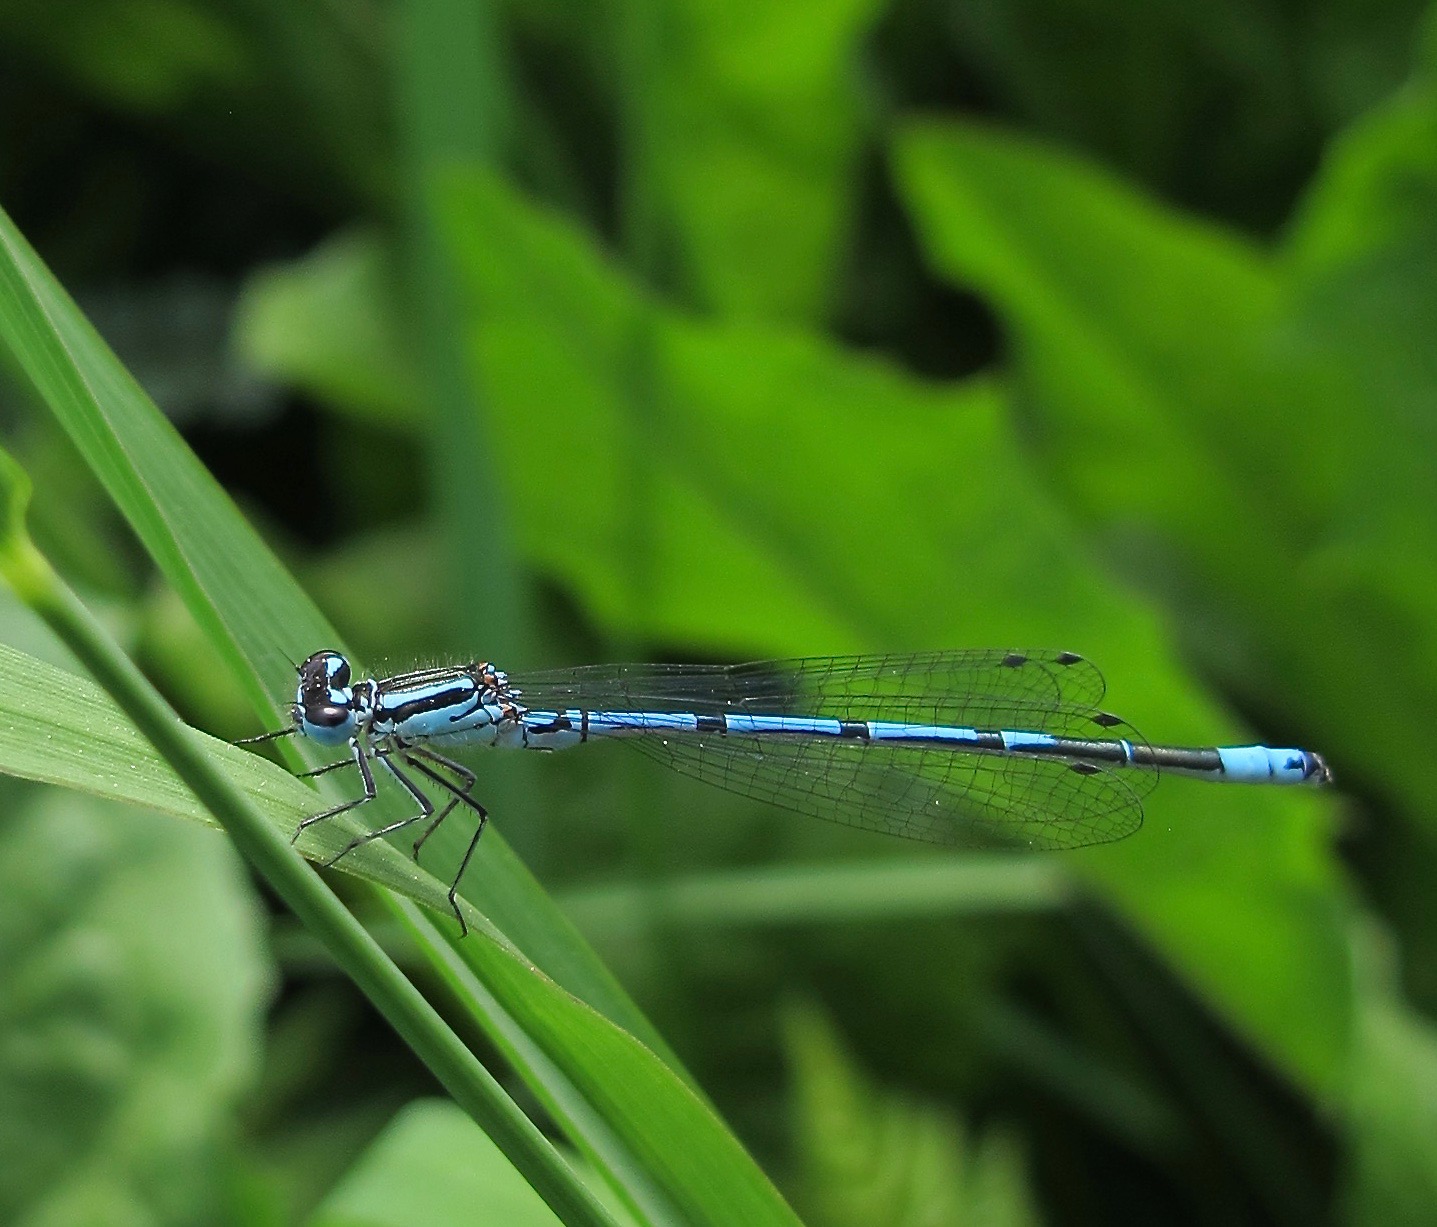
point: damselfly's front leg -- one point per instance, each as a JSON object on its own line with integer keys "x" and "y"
{"x": 326, "y": 769}
{"x": 360, "y": 758}
{"x": 385, "y": 754}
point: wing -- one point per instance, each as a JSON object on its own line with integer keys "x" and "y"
{"x": 961, "y": 800}
{"x": 988, "y": 688}
{"x": 932, "y": 794}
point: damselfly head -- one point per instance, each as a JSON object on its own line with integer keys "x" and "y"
{"x": 326, "y": 707}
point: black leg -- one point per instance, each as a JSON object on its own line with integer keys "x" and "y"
{"x": 328, "y": 767}
{"x": 360, "y": 840}
{"x": 361, "y": 760}
{"x": 428, "y": 831}
{"x": 467, "y": 780}
{"x": 410, "y": 752}
{"x": 459, "y": 769}
{"x": 459, "y": 795}
{"x": 254, "y": 741}
{"x": 463, "y": 865}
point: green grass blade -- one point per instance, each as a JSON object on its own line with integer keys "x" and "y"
{"x": 833, "y": 893}
{"x": 453, "y": 88}
{"x": 250, "y": 607}
{"x": 62, "y": 729}
{"x": 430, "y": 1165}
{"x": 269, "y": 852}
{"x": 644, "y": 1128}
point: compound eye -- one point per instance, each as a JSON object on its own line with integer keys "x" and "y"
{"x": 327, "y": 716}
{"x": 323, "y": 682}
{"x": 337, "y": 670}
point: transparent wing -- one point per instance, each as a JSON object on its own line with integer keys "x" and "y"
{"x": 933, "y": 794}
{"x": 962, "y": 800}
{"x": 987, "y": 688}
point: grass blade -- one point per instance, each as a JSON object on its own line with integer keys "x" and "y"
{"x": 266, "y": 848}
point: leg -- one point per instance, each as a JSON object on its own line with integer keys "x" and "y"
{"x": 360, "y": 840}
{"x": 426, "y": 809}
{"x": 459, "y": 794}
{"x": 466, "y": 777}
{"x": 361, "y": 760}
{"x": 328, "y": 767}
{"x": 409, "y": 752}
{"x": 254, "y": 741}
{"x": 459, "y": 769}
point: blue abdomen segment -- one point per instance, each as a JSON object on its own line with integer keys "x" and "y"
{"x": 804, "y": 726}
{"x": 1264, "y": 765}
{"x": 550, "y": 730}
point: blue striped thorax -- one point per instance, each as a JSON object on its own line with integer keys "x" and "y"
{"x": 465, "y": 705}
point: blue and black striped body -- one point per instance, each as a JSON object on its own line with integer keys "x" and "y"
{"x": 1235, "y": 764}
{"x": 475, "y": 705}
{"x": 974, "y": 748}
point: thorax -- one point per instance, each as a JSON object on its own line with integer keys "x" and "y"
{"x": 468, "y": 705}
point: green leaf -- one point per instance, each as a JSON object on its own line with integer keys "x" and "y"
{"x": 432, "y": 1165}
{"x": 1146, "y": 340}
{"x": 747, "y": 128}
{"x": 134, "y": 988}
{"x": 345, "y": 288}
{"x": 1375, "y": 187}
{"x": 768, "y": 516}
{"x": 876, "y": 1158}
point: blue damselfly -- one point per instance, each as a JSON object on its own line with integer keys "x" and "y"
{"x": 986, "y": 748}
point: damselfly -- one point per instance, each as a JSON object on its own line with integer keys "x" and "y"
{"x": 968, "y": 748}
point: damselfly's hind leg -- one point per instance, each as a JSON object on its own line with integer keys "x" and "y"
{"x": 459, "y": 794}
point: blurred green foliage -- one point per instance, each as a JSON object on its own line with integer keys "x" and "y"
{"x": 692, "y": 329}
{"x": 432, "y": 1165}
{"x": 135, "y": 984}
{"x": 867, "y": 1158}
